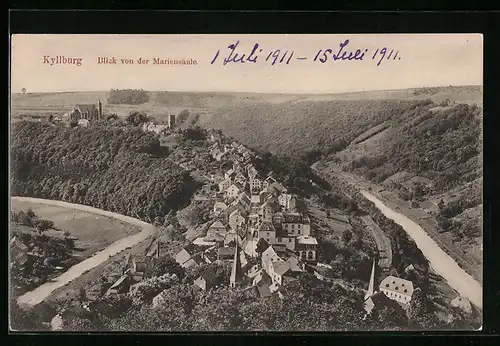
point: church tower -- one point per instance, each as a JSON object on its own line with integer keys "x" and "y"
{"x": 236, "y": 269}
{"x": 99, "y": 109}
{"x": 371, "y": 285}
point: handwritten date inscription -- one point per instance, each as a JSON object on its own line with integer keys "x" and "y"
{"x": 235, "y": 55}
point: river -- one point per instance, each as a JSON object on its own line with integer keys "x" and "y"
{"x": 40, "y": 293}
{"x": 439, "y": 260}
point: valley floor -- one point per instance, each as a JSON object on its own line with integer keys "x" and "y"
{"x": 418, "y": 215}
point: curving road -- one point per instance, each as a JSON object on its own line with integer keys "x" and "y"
{"x": 440, "y": 261}
{"x": 40, "y": 293}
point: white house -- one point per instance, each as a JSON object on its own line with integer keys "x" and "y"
{"x": 228, "y": 174}
{"x": 269, "y": 255}
{"x": 255, "y": 184}
{"x": 307, "y": 248}
{"x": 225, "y": 184}
{"x": 462, "y": 303}
{"x": 219, "y": 207}
{"x": 233, "y": 191}
{"x": 236, "y": 219}
{"x": 397, "y": 289}
{"x": 284, "y": 200}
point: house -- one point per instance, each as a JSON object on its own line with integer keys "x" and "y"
{"x": 377, "y": 300}
{"x": 306, "y": 248}
{"x": 243, "y": 200}
{"x": 139, "y": 267}
{"x": 255, "y": 183}
{"x": 231, "y": 239}
{"x": 267, "y": 231}
{"x": 279, "y": 187}
{"x": 83, "y": 122}
{"x": 287, "y": 241}
{"x": 269, "y": 255}
{"x": 121, "y": 285}
{"x": 225, "y": 253}
{"x": 261, "y": 276}
{"x": 263, "y": 289}
{"x": 187, "y": 256}
{"x": 236, "y": 219}
{"x": 162, "y": 298}
{"x": 292, "y": 224}
{"x": 284, "y": 200}
{"x": 249, "y": 247}
{"x": 206, "y": 280}
{"x": 267, "y": 210}
{"x": 225, "y": 184}
{"x": 202, "y": 243}
{"x": 277, "y": 270}
{"x": 219, "y": 207}
{"x": 397, "y": 289}
{"x": 229, "y": 174}
{"x": 252, "y": 269}
{"x": 268, "y": 181}
{"x": 216, "y": 229}
{"x": 295, "y": 224}
{"x": 240, "y": 148}
{"x": 462, "y": 303}
{"x": 233, "y": 191}
{"x": 216, "y": 178}
{"x": 210, "y": 255}
{"x": 255, "y": 199}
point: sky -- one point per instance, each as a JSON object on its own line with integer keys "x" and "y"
{"x": 422, "y": 60}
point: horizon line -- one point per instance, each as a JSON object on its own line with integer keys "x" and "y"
{"x": 253, "y": 92}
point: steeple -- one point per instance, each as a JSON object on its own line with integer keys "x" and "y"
{"x": 99, "y": 108}
{"x": 235, "y": 271}
{"x": 371, "y": 285}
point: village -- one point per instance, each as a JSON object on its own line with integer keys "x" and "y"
{"x": 257, "y": 226}
{"x": 262, "y": 230}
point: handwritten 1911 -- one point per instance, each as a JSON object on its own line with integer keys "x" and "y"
{"x": 278, "y": 56}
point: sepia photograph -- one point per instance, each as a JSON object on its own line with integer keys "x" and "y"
{"x": 246, "y": 183}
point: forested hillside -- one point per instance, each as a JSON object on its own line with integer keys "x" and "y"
{"x": 118, "y": 169}
{"x": 306, "y": 127}
{"x": 441, "y": 145}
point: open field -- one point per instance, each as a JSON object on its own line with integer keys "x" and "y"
{"x": 162, "y": 102}
{"x": 93, "y": 232}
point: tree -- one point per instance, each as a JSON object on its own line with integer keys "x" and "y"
{"x": 82, "y": 294}
{"x": 136, "y": 118}
{"x": 346, "y": 236}
{"x": 23, "y": 90}
{"x": 51, "y": 118}
{"x": 420, "y": 311}
{"x": 43, "y": 225}
{"x": 167, "y": 265}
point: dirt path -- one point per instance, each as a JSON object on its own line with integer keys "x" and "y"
{"x": 42, "y": 292}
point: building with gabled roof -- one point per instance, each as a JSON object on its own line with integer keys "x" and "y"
{"x": 206, "y": 280}
{"x": 219, "y": 207}
{"x": 269, "y": 255}
{"x": 397, "y": 289}
{"x": 236, "y": 219}
{"x": 462, "y": 303}
{"x": 307, "y": 247}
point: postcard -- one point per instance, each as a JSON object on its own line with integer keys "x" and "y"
{"x": 246, "y": 182}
